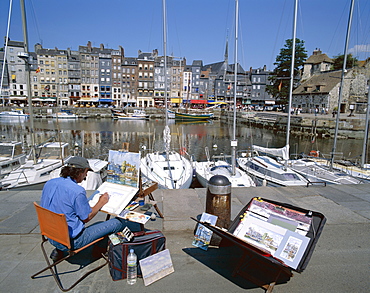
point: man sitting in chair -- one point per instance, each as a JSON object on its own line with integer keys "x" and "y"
{"x": 64, "y": 196}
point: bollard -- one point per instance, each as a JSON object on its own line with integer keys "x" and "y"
{"x": 218, "y": 203}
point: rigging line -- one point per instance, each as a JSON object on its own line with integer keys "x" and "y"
{"x": 6, "y": 50}
{"x": 177, "y": 36}
{"x": 277, "y": 35}
{"x": 35, "y": 21}
{"x": 151, "y": 30}
{"x": 340, "y": 21}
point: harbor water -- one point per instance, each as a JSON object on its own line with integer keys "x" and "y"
{"x": 93, "y": 138}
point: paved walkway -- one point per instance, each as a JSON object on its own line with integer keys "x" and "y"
{"x": 340, "y": 262}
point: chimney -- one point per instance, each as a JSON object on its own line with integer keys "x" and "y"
{"x": 89, "y": 44}
{"x": 317, "y": 52}
{"x": 101, "y": 47}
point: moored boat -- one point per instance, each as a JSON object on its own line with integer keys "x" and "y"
{"x": 135, "y": 115}
{"x": 16, "y": 113}
{"x": 190, "y": 115}
{"x": 11, "y": 157}
{"x": 36, "y": 171}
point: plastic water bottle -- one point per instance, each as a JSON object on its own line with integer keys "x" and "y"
{"x": 131, "y": 267}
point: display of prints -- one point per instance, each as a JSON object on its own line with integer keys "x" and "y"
{"x": 123, "y": 168}
{"x": 292, "y": 249}
{"x": 203, "y": 235}
{"x": 156, "y": 266}
{"x": 260, "y": 233}
{"x": 267, "y": 209}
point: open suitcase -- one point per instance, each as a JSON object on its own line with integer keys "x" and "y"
{"x": 144, "y": 244}
{"x": 275, "y": 238}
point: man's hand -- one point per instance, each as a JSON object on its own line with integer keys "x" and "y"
{"x": 103, "y": 199}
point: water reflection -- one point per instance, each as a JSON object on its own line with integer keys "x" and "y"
{"x": 94, "y": 137}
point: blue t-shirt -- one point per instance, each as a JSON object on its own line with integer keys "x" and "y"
{"x": 65, "y": 196}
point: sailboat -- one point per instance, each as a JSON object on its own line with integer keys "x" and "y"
{"x": 265, "y": 169}
{"x": 11, "y": 157}
{"x": 268, "y": 171}
{"x": 168, "y": 168}
{"x": 43, "y": 158}
{"x": 205, "y": 170}
{"x": 313, "y": 170}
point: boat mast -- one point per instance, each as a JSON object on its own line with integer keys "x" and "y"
{"x": 28, "y": 78}
{"x": 5, "y": 53}
{"x": 167, "y": 133}
{"x": 234, "y": 142}
{"x": 366, "y": 134}
{"x": 292, "y": 71}
{"x": 341, "y": 84}
{"x": 165, "y": 56}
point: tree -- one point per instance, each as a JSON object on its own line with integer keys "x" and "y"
{"x": 280, "y": 77}
{"x": 338, "y": 62}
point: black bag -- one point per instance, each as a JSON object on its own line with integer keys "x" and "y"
{"x": 144, "y": 245}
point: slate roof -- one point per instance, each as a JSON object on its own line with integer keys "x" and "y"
{"x": 326, "y": 80}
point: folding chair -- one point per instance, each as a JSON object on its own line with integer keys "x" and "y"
{"x": 54, "y": 226}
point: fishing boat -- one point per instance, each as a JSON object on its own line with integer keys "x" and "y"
{"x": 190, "y": 115}
{"x": 170, "y": 169}
{"x": 16, "y": 113}
{"x": 11, "y": 157}
{"x": 220, "y": 166}
{"x": 135, "y": 115}
{"x": 38, "y": 167}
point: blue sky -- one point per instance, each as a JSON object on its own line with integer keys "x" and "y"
{"x": 197, "y": 29}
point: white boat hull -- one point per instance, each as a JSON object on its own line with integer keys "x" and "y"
{"x": 270, "y": 172}
{"x": 205, "y": 170}
{"x": 174, "y": 172}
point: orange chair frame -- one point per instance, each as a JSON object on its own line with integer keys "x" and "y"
{"x": 54, "y": 226}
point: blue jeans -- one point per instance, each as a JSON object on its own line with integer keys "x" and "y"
{"x": 93, "y": 232}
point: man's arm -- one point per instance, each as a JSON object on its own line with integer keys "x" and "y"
{"x": 103, "y": 199}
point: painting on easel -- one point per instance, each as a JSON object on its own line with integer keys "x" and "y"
{"x": 124, "y": 168}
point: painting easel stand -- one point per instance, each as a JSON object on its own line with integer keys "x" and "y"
{"x": 147, "y": 191}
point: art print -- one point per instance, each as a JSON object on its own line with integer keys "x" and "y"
{"x": 203, "y": 235}
{"x": 259, "y": 233}
{"x": 292, "y": 249}
{"x": 156, "y": 266}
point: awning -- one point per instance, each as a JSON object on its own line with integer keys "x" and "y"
{"x": 269, "y": 102}
{"x": 217, "y": 103}
{"x": 198, "y": 101}
{"x": 106, "y": 100}
{"x": 17, "y": 98}
{"x": 44, "y": 99}
{"x": 176, "y": 100}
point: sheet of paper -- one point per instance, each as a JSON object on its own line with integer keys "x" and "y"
{"x": 119, "y": 197}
